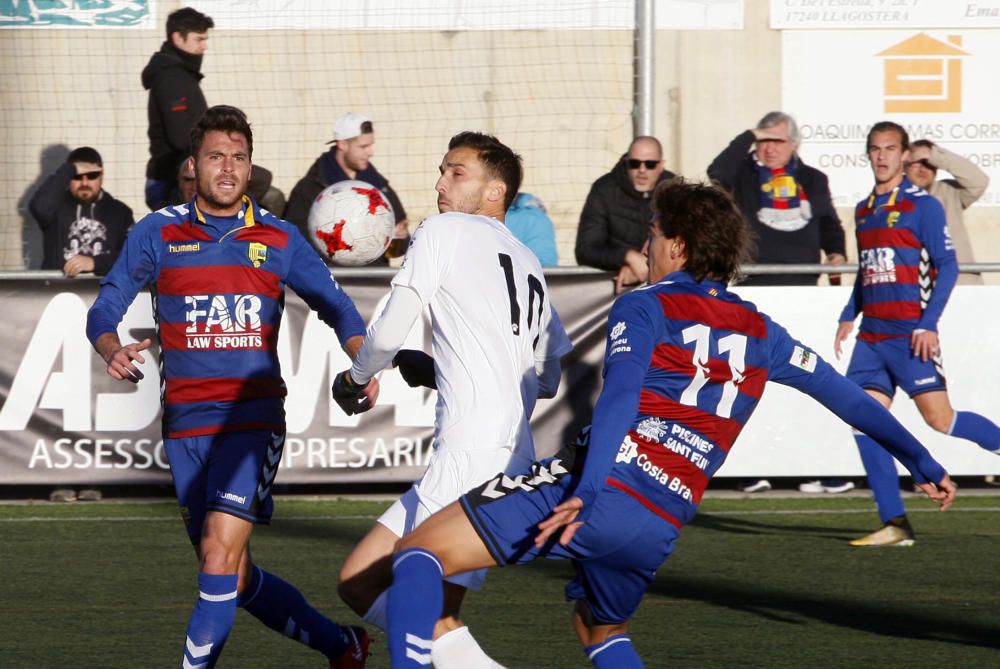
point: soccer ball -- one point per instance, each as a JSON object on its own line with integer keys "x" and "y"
{"x": 351, "y": 223}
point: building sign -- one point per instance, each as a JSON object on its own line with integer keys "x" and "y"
{"x": 939, "y": 85}
{"x": 883, "y": 14}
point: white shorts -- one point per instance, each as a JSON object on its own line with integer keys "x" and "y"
{"x": 450, "y": 474}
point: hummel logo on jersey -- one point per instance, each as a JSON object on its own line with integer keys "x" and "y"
{"x": 184, "y": 248}
{"x": 542, "y": 473}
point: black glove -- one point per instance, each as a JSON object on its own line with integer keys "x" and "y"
{"x": 416, "y": 367}
{"x": 349, "y": 395}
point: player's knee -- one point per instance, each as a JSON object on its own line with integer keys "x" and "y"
{"x": 218, "y": 558}
{"x": 352, "y": 594}
{"x": 939, "y": 420}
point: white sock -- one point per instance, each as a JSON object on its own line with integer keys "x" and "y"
{"x": 458, "y": 650}
{"x": 377, "y": 614}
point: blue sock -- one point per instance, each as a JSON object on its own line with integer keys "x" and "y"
{"x": 280, "y": 606}
{"x": 882, "y": 477}
{"x": 416, "y": 599}
{"x": 615, "y": 652}
{"x": 211, "y": 620}
{"x": 974, "y": 427}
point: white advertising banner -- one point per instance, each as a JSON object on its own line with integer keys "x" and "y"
{"x": 883, "y": 14}
{"x": 63, "y": 421}
{"x": 467, "y": 14}
{"x": 940, "y": 86}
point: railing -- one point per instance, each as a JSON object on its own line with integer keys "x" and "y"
{"x": 803, "y": 268}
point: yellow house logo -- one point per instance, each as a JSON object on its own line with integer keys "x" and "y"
{"x": 924, "y": 75}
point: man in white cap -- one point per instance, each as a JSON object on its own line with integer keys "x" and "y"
{"x": 349, "y": 158}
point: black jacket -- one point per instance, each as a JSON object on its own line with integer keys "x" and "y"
{"x": 615, "y": 218}
{"x": 735, "y": 170}
{"x": 326, "y": 171}
{"x": 97, "y": 230}
{"x": 175, "y": 105}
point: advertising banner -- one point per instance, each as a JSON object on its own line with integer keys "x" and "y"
{"x": 63, "y": 421}
{"x": 936, "y": 84}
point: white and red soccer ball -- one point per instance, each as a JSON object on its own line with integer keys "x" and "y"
{"x": 351, "y": 223}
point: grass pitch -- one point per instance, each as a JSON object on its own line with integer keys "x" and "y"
{"x": 756, "y": 582}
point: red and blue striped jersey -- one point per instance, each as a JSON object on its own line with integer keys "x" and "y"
{"x": 906, "y": 264}
{"x": 685, "y": 366}
{"x": 218, "y": 288}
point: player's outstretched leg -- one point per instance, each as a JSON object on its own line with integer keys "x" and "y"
{"x": 210, "y": 621}
{"x": 416, "y": 599}
{"x": 982, "y": 430}
{"x": 615, "y": 652}
{"x": 280, "y": 606}
{"x": 884, "y": 483}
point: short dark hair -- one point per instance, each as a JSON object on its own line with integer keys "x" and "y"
{"x": 85, "y": 154}
{"x": 367, "y": 128}
{"x": 499, "y": 160}
{"x": 188, "y": 20}
{"x": 221, "y": 117}
{"x": 889, "y": 126}
{"x": 706, "y": 218}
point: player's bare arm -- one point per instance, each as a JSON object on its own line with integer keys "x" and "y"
{"x": 119, "y": 358}
{"x": 843, "y": 330}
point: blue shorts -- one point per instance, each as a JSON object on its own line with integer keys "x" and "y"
{"x": 230, "y": 472}
{"x": 616, "y": 552}
{"x": 890, "y": 363}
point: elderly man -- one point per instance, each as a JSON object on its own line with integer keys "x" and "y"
{"x": 968, "y": 183}
{"x": 786, "y": 203}
{"x": 83, "y": 227}
{"x": 614, "y": 222}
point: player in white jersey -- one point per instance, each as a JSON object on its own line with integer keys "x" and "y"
{"x": 496, "y": 345}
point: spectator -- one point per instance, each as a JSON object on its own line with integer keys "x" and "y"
{"x": 790, "y": 214}
{"x": 186, "y": 186}
{"x": 786, "y": 203}
{"x": 349, "y": 158}
{"x": 173, "y": 77}
{"x": 614, "y": 222}
{"x": 968, "y": 183}
{"x": 83, "y": 227}
{"x": 531, "y": 224}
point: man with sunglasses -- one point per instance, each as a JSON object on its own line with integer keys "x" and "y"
{"x": 83, "y": 227}
{"x": 968, "y": 183}
{"x": 615, "y": 218}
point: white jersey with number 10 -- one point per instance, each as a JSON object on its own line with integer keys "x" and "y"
{"x": 492, "y": 325}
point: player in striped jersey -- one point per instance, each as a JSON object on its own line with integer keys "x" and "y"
{"x": 218, "y": 267}
{"x": 906, "y": 272}
{"x": 685, "y": 366}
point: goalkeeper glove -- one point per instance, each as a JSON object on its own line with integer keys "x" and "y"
{"x": 416, "y": 367}
{"x": 349, "y": 395}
